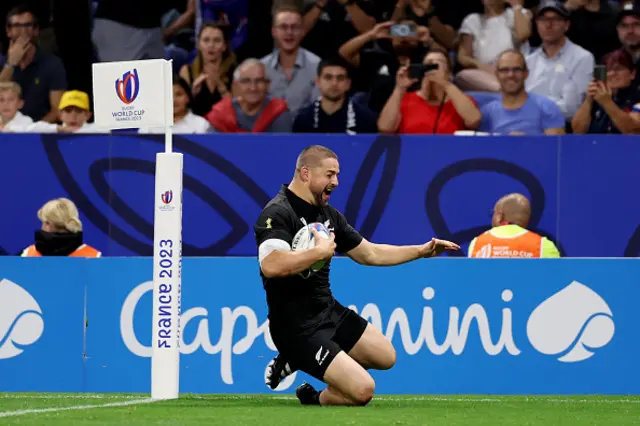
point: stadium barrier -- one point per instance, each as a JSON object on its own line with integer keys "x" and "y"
{"x": 460, "y": 326}
{"x": 393, "y": 189}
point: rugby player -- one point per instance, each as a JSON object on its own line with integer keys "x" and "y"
{"x": 312, "y": 331}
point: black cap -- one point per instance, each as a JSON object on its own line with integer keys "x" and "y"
{"x": 628, "y": 9}
{"x": 556, "y": 6}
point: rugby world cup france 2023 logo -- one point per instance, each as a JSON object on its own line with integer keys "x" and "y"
{"x": 127, "y": 90}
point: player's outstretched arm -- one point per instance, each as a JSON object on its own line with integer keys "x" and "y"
{"x": 368, "y": 253}
{"x": 279, "y": 263}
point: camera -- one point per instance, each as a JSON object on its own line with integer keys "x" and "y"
{"x": 403, "y": 30}
{"x": 419, "y": 70}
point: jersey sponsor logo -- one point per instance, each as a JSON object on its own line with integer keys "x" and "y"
{"x": 21, "y": 322}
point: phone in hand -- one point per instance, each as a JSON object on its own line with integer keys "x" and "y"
{"x": 600, "y": 73}
{"x": 403, "y": 30}
{"x": 419, "y": 70}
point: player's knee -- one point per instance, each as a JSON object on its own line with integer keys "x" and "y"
{"x": 364, "y": 392}
{"x": 389, "y": 359}
{"x": 386, "y": 358}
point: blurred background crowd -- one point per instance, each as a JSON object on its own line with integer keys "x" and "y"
{"x": 334, "y": 66}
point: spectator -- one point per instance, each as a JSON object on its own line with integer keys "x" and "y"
{"x": 291, "y": 68}
{"x": 617, "y": 101}
{"x": 177, "y": 30}
{"x": 484, "y": 36}
{"x": 560, "y": 69}
{"x": 509, "y": 237}
{"x": 228, "y": 13}
{"x": 211, "y": 73}
{"x": 126, "y": 30}
{"x": 518, "y": 112}
{"x": 380, "y": 64}
{"x": 11, "y": 119}
{"x": 342, "y": 19}
{"x": 438, "y": 107}
{"x": 628, "y": 26}
{"x": 184, "y": 121}
{"x": 74, "y": 114}
{"x": 253, "y": 110}
{"x": 425, "y": 14}
{"x": 589, "y": 17}
{"x": 333, "y": 111}
{"x": 40, "y": 75}
{"x": 61, "y": 232}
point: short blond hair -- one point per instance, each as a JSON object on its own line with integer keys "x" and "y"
{"x": 11, "y": 85}
{"x": 62, "y": 214}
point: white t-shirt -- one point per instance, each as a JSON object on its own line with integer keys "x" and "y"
{"x": 44, "y": 127}
{"x": 191, "y": 123}
{"x": 18, "y": 123}
{"x": 492, "y": 36}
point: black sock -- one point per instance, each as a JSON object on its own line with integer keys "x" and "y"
{"x": 316, "y": 398}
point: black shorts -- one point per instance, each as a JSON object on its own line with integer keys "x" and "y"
{"x": 314, "y": 350}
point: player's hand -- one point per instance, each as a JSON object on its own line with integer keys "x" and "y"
{"x": 435, "y": 247}
{"x": 326, "y": 247}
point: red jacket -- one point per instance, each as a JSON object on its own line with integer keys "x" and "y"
{"x": 223, "y": 117}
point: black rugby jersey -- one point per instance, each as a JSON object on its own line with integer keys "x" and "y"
{"x": 297, "y": 303}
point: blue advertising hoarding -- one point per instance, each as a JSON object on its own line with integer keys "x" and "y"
{"x": 392, "y": 189}
{"x": 459, "y": 326}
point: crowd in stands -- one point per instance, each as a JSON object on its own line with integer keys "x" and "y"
{"x": 514, "y": 67}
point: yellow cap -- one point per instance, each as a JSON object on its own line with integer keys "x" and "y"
{"x": 74, "y": 98}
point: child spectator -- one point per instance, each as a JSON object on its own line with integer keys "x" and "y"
{"x": 74, "y": 114}
{"x": 184, "y": 121}
{"x": 11, "y": 119}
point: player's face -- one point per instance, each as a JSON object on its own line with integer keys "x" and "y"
{"x": 323, "y": 180}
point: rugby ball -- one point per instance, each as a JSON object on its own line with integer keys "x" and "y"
{"x": 304, "y": 240}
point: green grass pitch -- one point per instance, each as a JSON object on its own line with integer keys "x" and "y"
{"x": 263, "y": 410}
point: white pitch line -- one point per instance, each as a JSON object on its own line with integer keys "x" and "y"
{"x": 63, "y": 396}
{"x": 75, "y": 407}
{"x": 441, "y": 399}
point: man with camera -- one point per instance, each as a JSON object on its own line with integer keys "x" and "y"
{"x": 438, "y": 107}
{"x": 389, "y": 46}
